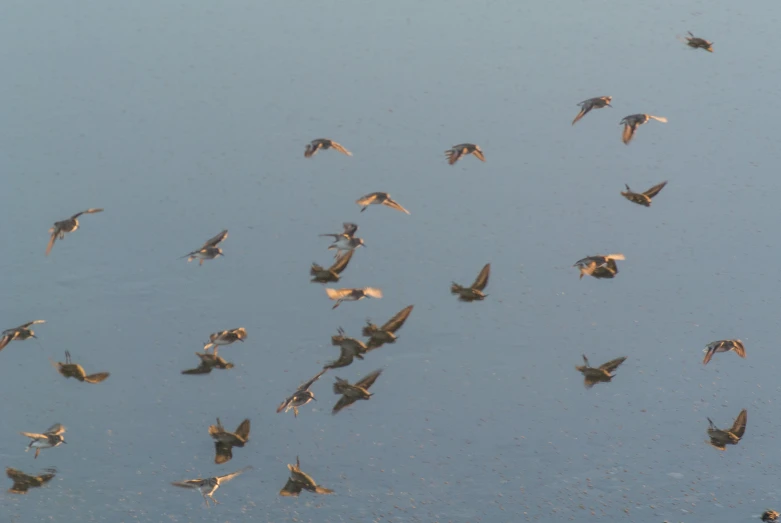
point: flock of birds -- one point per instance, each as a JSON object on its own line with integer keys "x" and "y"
{"x": 345, "y": 244}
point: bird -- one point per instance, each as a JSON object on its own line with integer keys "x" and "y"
{"x": 21, "y": 333}
{"x": 599, "y": 266}
{"x": 208, "y": 486}
{"x": 224, "y": 441}
{"x": 378, "y": 336}
{"x": 225, "y": 338}
{"x": 723, "y": 346}
{"x": 52, "y": 437}
{"x": 643, "y": 198}
{"x": 350, "y": 348}
{"x": 332, "y": 273}
{"x": 698, "y": 43}
{"x": 379, "y": 198}
{"x": 341, "y": 295}
{"x": 592, "y": 103}
{"x": 209, "y": 361}
{"x": 475, "y": 291}
{"x": 601, "y": 374}
{"x": 721, "y": 438}
{"x": 61, "y": 228}
{"x": 345, "y": 241}
{"x": 770, "y": 515}
{"x": 300, "y": 480}
{"x": 209, "y": 250}
{"x": 324, "y": 143}
{"x": 24, "y": 482}
{"x": 457, "y": 151}
{"x": 352, "y": 393}
{"x": 633, "y": 121}
{"x": 300, "y": 397}
{"x": 74, "y": 370}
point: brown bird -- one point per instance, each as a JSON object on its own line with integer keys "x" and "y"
{"x": 74, "y": 370}
{"x": 721, "y": 438}
{"x": 300, "y": 397}
{"x": 324, "y": 143}
{"x": 340, "y": 295}
{"x": 475, "y": 291}
{"x": 21, "y": 333}
{"x": 24, "y": 482}
{"x": 225, "y": 338}
{"x": 379, "y": 198}
{"x": 698, "y": 43}
{"x": 599, "y": 266}
{"x": 643, "y": 198}
{"x": 723, "y": 346}
{"x": 601, "y": 374}
{"x": 300, "y": 480}
{"x": 52, "y": 437}
{"x": 352, "y": 393}
{"x": 60, "y": 229}
{"x": 208, "y": 486}
{"x": 378, "y": 336}
{"x": 770, "y": 515}
{"x": 350, "y": 348}
{"x": 224, "y": 441}
{"x": 331, "y": 274}
{"x": 209, "y": 361}
{"x": 633, "y": 121}
{"x": 457, "y": 151}
{"x": 592, "y": 103}
{"x": 209, "y": 250}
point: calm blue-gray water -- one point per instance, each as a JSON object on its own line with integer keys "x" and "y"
{"x": 185, "y": 118}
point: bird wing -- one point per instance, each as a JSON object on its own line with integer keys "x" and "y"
{"x": 97, "y": 377}
{"x": 367, "y": 200}
{"x": 307, "y": 384}
{"x": 323, "y": 490}
{"x": 52, "y": 239}
{"x": 398, "y": 320}
{"x": 368, "y": 380}
{"x": 88, "y": 211}
{"x": 223, "y": 452}
{"x": 395, "y": 205}
{"x": 189, "y": 483}
{"x": 453, "y": 155}
{"x": 739, "y": 348}
{"x": 482, "y": 278}
{"x": 228, "y": 477}
{"x": 341, "y": 263}
{"x": 5, "y": 340}
{"x": 612, "y": 365}
{"x": 372, "y": 292}
{"x": 33, "y": 435}
{"x": 212, "y": 242}
{"x": 243, "y": 429}
{"x": 350, "y": 229}
{"x": 339, "y": 147}
{"x": 57, "y": 428}
{"x": 629, "y": 131}
{"x": 203, "y": 368}
{"x": 336, "y": 294}
{"x": 479, "y": 154}
{"x": 291, "y": 488}
{"x": 344, "y": 401}
{"x": 739, "y": 427}
{"x": 284, "y": 404}
{"x": 653, "y": 191}
{"x": 29, "y": 323}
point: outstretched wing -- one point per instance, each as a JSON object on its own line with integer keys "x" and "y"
{"x": 223, "y": 452}
{"x": 350, "y": 229}
{"x": 739, "y": 427}
{"x": 367, "y": 200}
{"x": 33, "y": 435}
{"x": 203, "y": 368}
{"x": 88, "y": 211}
{"x": 291, "y": 488}
{"x": 188, "y": 483}
{"x": 97, "y": 377}
{"x": 372, "y": 292}
{"x": 453, "y": 155}
{"x": 398, "y": 320}
{"x": 57, "y": 428}
{"x": 629, "y": 132}
{"x": 228, "y": 477}
{"x": 395, "y": 205}
{"x": 339, "y": 147}
{"x": 5, "y": 340}
{"x": 653, "y": 191}
{"x": 337, "y": 294}
{"x": 369, "y": 379}
{"x": 482, "y": 278}
{"x": 242, "y": 430}
{"x": 307, "y": 384}
{"x": 29, "y": 323}
{"x": 612, "y": 365}
{"x": 341, "y": 263}
{"x": 212, "y": 242}
{"x": 52, "y": 239}
{"x": 344, "y": 401}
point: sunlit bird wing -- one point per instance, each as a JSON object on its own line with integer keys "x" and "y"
{"x": 291, "y": 488}
{"x": 739, "y": 427}
{"x": 372, "y": 292}
{"x": 212, "y": 242}
{"x": 482, "y": 278}
{"x": 341, "y": 263}
{"x": 612, "y": 365}
{"x": 653, "y": 191}
{"x": 368, "y": 380}
{"x": 398, "y": 320}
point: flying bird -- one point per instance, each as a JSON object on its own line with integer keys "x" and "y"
{"x": 209, "y": 250}
{"x": 352, "y": 393}
{"x": 208, "y": 486}
{"x": 633, "y": 121}
{"x": 723, "y": 346}
{"x": 643, "y": 198}
{"x": 475, "y": 291}
{"x": 300, "y": 480}
{"x": 599, "y": 266}
{"x": 378, "y": 336}
{"x": 225, "y": 338}
{"x": 698, "y": 43}
{"x": 21, "y": 333}
{"x": 379, "y": 198}
{"x": 601, "y": 374}
{"x": 332, "y": 273}
{"x": 345, "y": 241}
{"x": 350, "y": 348}
{"x": 324, "y": 143}
{"x": 74, "y": 370}
{"x": 721, "y": 438}
{"x": 300, "y": 397}
{"x": 457, "y": 151}
{"x": 24, "y": 482}
{"x": 60, "y": 229}
{"x": 52, "y": 437}
{"x": 209, "y": 361}
{"x": 340, "y": 295}
{"x": 224, "y": 441}
{"x": 592, "y": 103}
